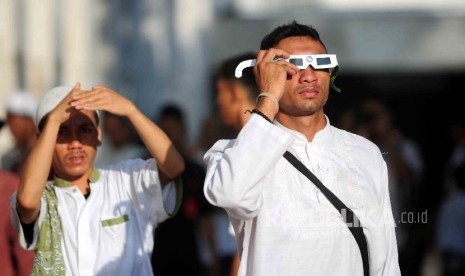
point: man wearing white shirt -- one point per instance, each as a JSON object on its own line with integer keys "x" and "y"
{"x": 86, "y": 220}
{"x": 284, "y": 224}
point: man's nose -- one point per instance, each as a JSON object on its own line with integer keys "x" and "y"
{"x": 307, "y": 74}
{"x": 74, "y": 139}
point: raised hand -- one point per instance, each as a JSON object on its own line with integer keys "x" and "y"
{"x": 271, "y": 72}
{"x": 64, "y": 109}
{"x": 105, "y": 99}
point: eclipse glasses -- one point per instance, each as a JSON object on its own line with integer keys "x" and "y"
{"x": 301, "y": 61}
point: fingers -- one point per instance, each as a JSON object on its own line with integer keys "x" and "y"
{"x": 91, "y": 100}
{"x": 100, "y": 86}
{"x": 66, "y": 102}
{"x": 260, "y": 55}
{"x": 291, "y": 70}
{"x": 77, "y": 87}
{"x": 275, "y": 57}
{"x": 103, "y": 98}
{"x": 271, "y": 54}
{"x": 272, "y": 71}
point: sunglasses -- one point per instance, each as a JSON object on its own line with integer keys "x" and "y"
{"x": 301, "y": 61}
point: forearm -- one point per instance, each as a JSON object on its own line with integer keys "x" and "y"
{"x": 169, "y": 160}
{"x": 35, "y": 174}
{"x": 267, "y": 107}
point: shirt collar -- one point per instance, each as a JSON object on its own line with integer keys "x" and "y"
{"x": 321, "y": 135}
{"x": 60, "y": 182}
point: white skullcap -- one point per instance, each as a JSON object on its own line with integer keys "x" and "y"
{"x": 50, "y": 100}
{"x": 21, "y": 103}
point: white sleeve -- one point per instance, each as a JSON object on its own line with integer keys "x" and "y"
{"x": 152, "y": 202}
{"x": 172, "y": 196}
{"x": 236, "y": 168}
{"x": 15, "y": 221}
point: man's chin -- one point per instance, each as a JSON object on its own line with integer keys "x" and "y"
{"x": 75, "y": 173}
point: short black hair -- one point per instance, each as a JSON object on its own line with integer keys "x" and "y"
{"x": 171, "y": 110}
{"x": 226, "y": 70}
{"x": 288, "y": 30}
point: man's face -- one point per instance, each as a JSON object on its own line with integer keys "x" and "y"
{"x": 307, "y": 91}
{"x": 76, "y": 146}
{"x": 21, "y": 127}
{"x": 115, "y": 131}
{"x": 226, "y": 101}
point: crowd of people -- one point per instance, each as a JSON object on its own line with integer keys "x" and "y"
{"x": 90, "y": 182}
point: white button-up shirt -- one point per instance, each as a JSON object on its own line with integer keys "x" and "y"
{"x": 283, "y": 224}
{"x": 110, "y": 232}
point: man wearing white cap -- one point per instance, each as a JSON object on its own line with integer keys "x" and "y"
{"x": 20, "y": 107}
{"x": 90, "y": 221}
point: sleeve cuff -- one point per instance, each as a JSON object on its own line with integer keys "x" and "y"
{"x": 16, "y": 222}
{"x": 172, "y": 196}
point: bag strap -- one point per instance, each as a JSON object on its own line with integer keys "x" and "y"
{"x": 348, "y": 215}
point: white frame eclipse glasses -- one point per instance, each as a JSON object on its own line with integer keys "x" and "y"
{"x": 324, "y": 61}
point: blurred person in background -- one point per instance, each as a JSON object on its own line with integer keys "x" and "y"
{"x": 212, "y": 129}
{"x": 14, "y": 260}
{"x": 405, "y": 166}
{"x": 456, "y": 156}
{"x": 235, "y": 98}
{"x": 451, "y": 227}
{"x": 271, "y": 204}
{"x": 120, "y": 141}
{"x": 216, "y": 241}
{"x": 177, "y": 250}
{"x": 20, "y": 109}
{"x": 6, "y": 139}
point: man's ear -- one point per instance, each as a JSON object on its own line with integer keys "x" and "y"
{"x": 99, "y": 136}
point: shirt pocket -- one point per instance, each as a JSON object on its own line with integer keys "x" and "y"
{"x": 115, "y": 234}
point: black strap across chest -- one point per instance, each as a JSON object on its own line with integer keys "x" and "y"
{"x": 348, "y": 215}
